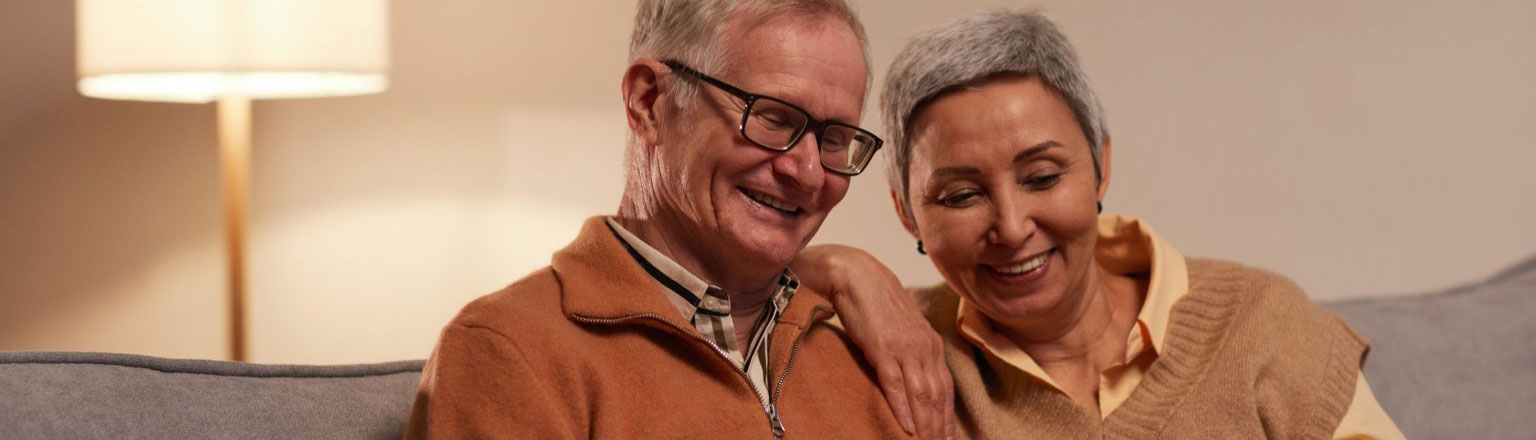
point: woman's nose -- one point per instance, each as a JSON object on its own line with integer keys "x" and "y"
{"x": 1012, "y": 222}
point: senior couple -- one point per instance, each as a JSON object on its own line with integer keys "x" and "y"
{"x": 697, "y": 311}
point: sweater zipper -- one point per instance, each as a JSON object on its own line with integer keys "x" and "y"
{"x": 794, "y": 350}
{"x": 768, "y": 409}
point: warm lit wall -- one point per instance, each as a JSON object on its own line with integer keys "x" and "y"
{"x": 108, "y": 210}
{"x": 1363, "y": 148}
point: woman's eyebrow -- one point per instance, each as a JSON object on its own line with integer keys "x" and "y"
{"x": 1037, "y": 149}
{"x": 955, "y": 171}
{"x": 1022, "y": 156}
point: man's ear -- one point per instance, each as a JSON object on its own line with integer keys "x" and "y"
{"x": 905, "y": 214}
{"x": 1104, "y": 169}
{"x": 642, "y": 92}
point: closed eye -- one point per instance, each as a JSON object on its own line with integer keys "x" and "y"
{"x": 1041, "y": 182}
{"x": 961, "y": 199}
{"x": 773, "y": 119}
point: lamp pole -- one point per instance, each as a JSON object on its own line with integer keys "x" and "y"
{"x": 234, "y": 169}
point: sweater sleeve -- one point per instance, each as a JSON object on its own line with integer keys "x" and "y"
{"x": 478, "y": 386}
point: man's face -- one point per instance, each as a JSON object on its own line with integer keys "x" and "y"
{"x": 741, "y": 204}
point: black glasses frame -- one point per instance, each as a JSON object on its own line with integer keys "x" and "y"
{"x": 810, "y": 121}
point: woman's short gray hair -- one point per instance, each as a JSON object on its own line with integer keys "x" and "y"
{"x": 974, "y": 49}
{"x": 692, "y": 31}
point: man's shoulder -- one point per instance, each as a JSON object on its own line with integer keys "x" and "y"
{"x": 531, "y": 301}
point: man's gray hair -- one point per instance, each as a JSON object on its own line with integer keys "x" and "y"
{"x": 692, "y": 31}
{"x": 975, "y": 49}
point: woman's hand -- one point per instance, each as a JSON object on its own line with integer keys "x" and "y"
{"x": 883, "y": 320}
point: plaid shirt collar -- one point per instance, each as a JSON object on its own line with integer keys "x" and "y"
{"x": 690, "y": 294}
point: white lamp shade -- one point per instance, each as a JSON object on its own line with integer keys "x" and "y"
{"x": 202, "y": 50}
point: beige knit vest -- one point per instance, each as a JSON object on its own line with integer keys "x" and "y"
{"x": 1247, "y": 356}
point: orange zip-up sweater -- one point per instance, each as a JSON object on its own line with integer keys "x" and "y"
{"x": 590, "y": 348}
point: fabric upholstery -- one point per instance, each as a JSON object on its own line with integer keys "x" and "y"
{"x": 1455, "y": 364}
{"x": 115, "y": 396}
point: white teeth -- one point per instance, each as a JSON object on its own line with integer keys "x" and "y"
{"x": 775, "y": 204}
{"x": 1025, "y": 266}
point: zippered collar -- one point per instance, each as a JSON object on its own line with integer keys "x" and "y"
{"x": 600, "y": 283}
{"x": 600, "y": 280}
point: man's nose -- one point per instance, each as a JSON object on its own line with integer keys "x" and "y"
{"x": 801, "y": 165}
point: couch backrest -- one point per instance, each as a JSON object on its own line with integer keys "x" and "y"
{"x": 115, "y": 396}
{"x": 1455, "y": 364}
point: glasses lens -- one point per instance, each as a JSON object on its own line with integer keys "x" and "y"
{"x": 846, "y": 149}
{"x": 773, "y": 124}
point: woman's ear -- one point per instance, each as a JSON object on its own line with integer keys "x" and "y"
{"x": 1104, "y": 169}
{"x": 904, "y": 212}
{"x": 642, "y": 92}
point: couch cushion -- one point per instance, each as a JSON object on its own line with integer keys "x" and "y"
{"x": 46, "y": 395}
{"x": 1455, "y": 364}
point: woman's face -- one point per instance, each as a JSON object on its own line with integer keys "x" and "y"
{"x": 1003, "y": 192}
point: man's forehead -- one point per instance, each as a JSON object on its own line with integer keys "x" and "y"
{"x": 817, "y": 64}
{"x": 745, "y": 34}
{"x": 824, "y": 97}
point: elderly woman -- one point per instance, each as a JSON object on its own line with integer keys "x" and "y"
{"x": 1061, "y": 322}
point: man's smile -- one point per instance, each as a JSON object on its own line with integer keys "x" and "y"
{"x": 772, "y": 202}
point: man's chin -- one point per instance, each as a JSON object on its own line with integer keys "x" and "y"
{"x": 771, "y": 242}
{"x": 769, "y": 250}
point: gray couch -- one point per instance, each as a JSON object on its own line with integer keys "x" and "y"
{"x": 117, "y": 396}
{"x": 1458, "y": 364}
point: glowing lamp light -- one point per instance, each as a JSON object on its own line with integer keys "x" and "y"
{"x": 231, "y": 51}
{"x": 203, "y": 50}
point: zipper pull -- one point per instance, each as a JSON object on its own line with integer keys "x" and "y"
{"x": 773, "y": 418}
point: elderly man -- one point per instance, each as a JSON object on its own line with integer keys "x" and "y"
{"x": 678, "y": 317}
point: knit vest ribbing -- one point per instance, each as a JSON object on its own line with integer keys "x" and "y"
{"x": 1247, "y": 355}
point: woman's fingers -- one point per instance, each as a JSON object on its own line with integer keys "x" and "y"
{"x": 927, "y": 404}
{"x": 946, "y": 389}
{"x": 888, "y": 373}
{"x": 937, "y": 395}
{"x": 949, "y": 401}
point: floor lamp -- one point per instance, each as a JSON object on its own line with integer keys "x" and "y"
{"x": 232, "y": 52}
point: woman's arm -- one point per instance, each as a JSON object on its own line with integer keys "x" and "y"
{"x": 879, "y": 315}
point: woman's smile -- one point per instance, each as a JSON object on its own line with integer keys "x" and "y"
{"x": 1024, "y": 271}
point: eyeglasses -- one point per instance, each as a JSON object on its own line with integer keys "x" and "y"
{"x": 777, "y": 125}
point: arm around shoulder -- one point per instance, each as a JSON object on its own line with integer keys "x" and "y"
{"x": 478, "y": 385}
{"x": 882, "y": 319}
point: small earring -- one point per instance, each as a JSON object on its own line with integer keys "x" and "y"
{"x": 1101, "y": 207}
{"x": 920, "y": 248}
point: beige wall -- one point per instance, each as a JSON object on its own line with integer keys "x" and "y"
{"x": 1363, "y": 148}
